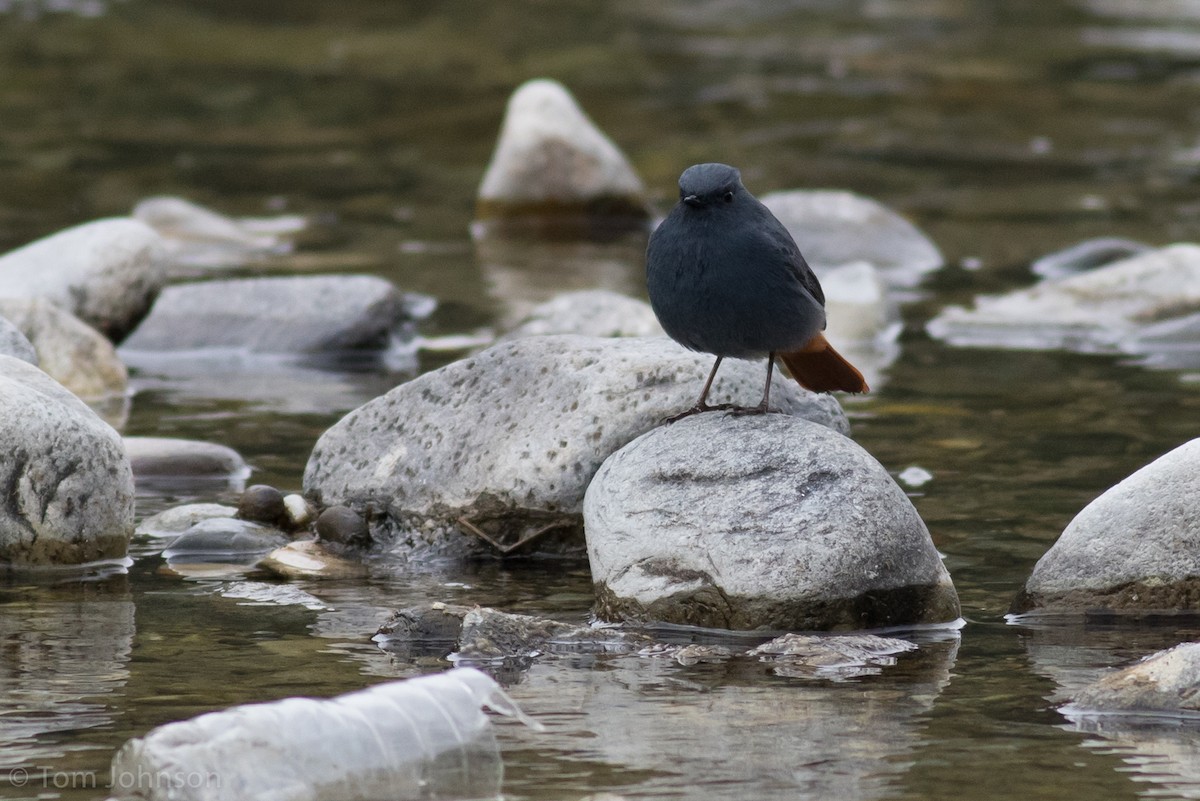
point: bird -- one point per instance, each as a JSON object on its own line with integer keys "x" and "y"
{"x": 725, "y": 277}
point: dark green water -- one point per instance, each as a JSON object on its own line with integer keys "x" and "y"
{"x": 1004, "y": 129}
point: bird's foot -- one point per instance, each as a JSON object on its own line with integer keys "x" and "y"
{"x": 746, "y": 411}
{"x": 699, "y": 408}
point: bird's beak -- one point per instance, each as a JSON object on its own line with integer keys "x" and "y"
{"x": 692, "y": 200}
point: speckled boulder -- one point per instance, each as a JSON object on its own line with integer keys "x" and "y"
{"x": 106, "y": 272}
{"x": 503, "y": 444}
{"x": 1135, "y": 548}
{"x": 759, "y": 522}
{"x": 67, "y": 486}
{"x": 552, "y": 161}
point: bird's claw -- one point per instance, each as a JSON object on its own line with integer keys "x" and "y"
{"x": 698, "y": 409}
{"x": 746, "y": 411}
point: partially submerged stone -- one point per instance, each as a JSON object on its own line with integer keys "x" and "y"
{"x": 196, "y": 236}
{"x": 309, "y": 559}
{"x": 1087, "y": 255}
{"x": 1105, "y": 310}
{"x": 489, "y": 634}
{"x": 169, "y": 461}
{"x": 1136, "y": 548}
{"x": 835, "y": 227}
{"x": 223, "y": 539}
{"x": 176, "y": 520}
{"x": 107, "y": 272}
{"x": 838, "y": 656}
{"x": 68, "y": 487}
{"x": 287, "y": 315}
{"x": 1164, "y": 683}
{"x": 493, "y": 452}
{"x": 759, "y": 522}
{"x": 69, "y": 350}
{"x": 553, "y": 170}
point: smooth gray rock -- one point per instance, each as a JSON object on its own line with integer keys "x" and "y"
{"x": 507, "y": 440}
{"x": 550, "y": 159}
{"x": 1087, "y": 255}
{"x": 1104, "y": 310}
{"x": 1164, "y": 683}
{"x": 107, "y": 272}
{"x": 289, "y": 315}
{"x": 167, "y": 456}
{"x": 834, "y": 227}
{"x": 1135, "y": 548}
{"x": 197, "y": 237}
{"x": 14, "y": 343}
{"x": 223, "y": 539}
{"x": 759, "y": 522}
{"x": 72, "y": 352}
{"x": 173, "y": 522}
{"x": 592, "y": 313}
{"x": 66, "y": 488}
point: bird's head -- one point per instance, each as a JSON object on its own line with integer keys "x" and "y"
{"x": 710, "y": 185}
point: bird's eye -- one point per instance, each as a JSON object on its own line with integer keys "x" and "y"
{"x": 728, "y": 197}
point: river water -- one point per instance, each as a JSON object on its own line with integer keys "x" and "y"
{"x": 1005, "y": 130}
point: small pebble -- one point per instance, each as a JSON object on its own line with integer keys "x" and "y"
{"x": 262, "y": 504}
{"x": 342, "y": 524}
{"x": 299, "y": 513}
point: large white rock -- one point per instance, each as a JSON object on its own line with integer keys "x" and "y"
{"x": 835, "y": 227}
{"x": 69, "y": 350}
{"x": 296, "y": 314}
{"x": 759, "y": 522}
{"x": 509, "y": 438}
{"x": 550, "y": 158}
{"x": 67, "y": 489}
{"x": 1134, "y": 548}
{"x": 1105, "y": 310}
{"x": 106, "y": 272}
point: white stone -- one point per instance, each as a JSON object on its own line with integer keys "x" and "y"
{"x": 72, "y": 352}
{"x": 590, "y": 312}
{"x": 14, "y": 343}
{"x": 200, "y": 237}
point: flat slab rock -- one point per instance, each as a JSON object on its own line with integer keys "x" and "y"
{"x": 287, "y": 315}
{"x": 1164, "y": 683}
{"x": 509, "y": 438}
{"x": 1136, "y": 548}
{"x": 67, "y": 496}
{"x": 759, "y": 522}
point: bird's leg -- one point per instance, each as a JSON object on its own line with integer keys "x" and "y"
{"x": 761, "y": 408}
{"x": 701, "y": 406}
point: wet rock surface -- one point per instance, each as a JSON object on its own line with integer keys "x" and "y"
{"x": 176, "y": 520}
{"x": 507, "y": 440}
{"x": 107, "y": 272}
{"x": 1136, "y": 548}
{"x": 551, "y": 161}
{"x": 222, "y": 539}
{"x": 67, "y": 488}
{"x": 759, "y": 522}
{"x": 169, "y": 461}
{"x": 1164, "y": 683}
{"x": 834, "y": 227}
{"x": 289, "y": 315}
{"x": 310, "y": 559}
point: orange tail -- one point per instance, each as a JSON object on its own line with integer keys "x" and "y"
{"x": 820, "y": 368}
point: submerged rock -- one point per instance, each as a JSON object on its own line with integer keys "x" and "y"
{"x": 759, "y": 522}
{"x": 553, "y": 170}
{"x": 67, "y": 494}
{"x": 290, "y": 315}
{"x": 844, "y": 656}
{"x": 499, "y": 447}
{"x": 14, "y": 343}
{"x": 107, "y": 272}
{"x": 223, "y": 539}
{"x": 834, "y": 227}
{"x": 592, "y": 313}
{"x": 489, "y": 634}
{"x": 173, "y": 522}
{"x": 1136, "y": 548}
{"x": 159, "y": 461}
{"x": 195, "y": 236}
{"x": 1104, "y": 310}
{"x": 1087, "y": 255}
{"x": 1164, "y": 683}
{"x": 69, "y": 350}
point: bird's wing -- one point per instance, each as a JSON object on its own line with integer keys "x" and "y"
{"x": 790, "y": 255}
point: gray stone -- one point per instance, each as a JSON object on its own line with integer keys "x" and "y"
{"x": 489, "y": 634}
{"x": 173, "y": 522}
{"x": 168, "y": 458}
{"x": 223, "y": 539}
{"x": 759, "y": 522}
{"x": 1098, "y": 311}
{"x": 1086, "y": 255}
{"x": 834, "y": 227}
{"x": 551, "y": 160}
{"x": 343, "y": 525}
{"x": 1135, "y": 548}
{"x": 301, "y": 314}
{"x": 591, "y": 312}
{"x": 262, "y": 503}
{"x": 66, "y": 488}
{"x": 1167, "y": 682}
{"x": 107, "y": 272}
{"x": 72, "y": 352}
{"x": 309, "y": 559}
{"x": 195, "y": 236}
{"x": 14, "y": 343}
{"x": 839, "y": 656}
{"x": 504, "y": 443}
